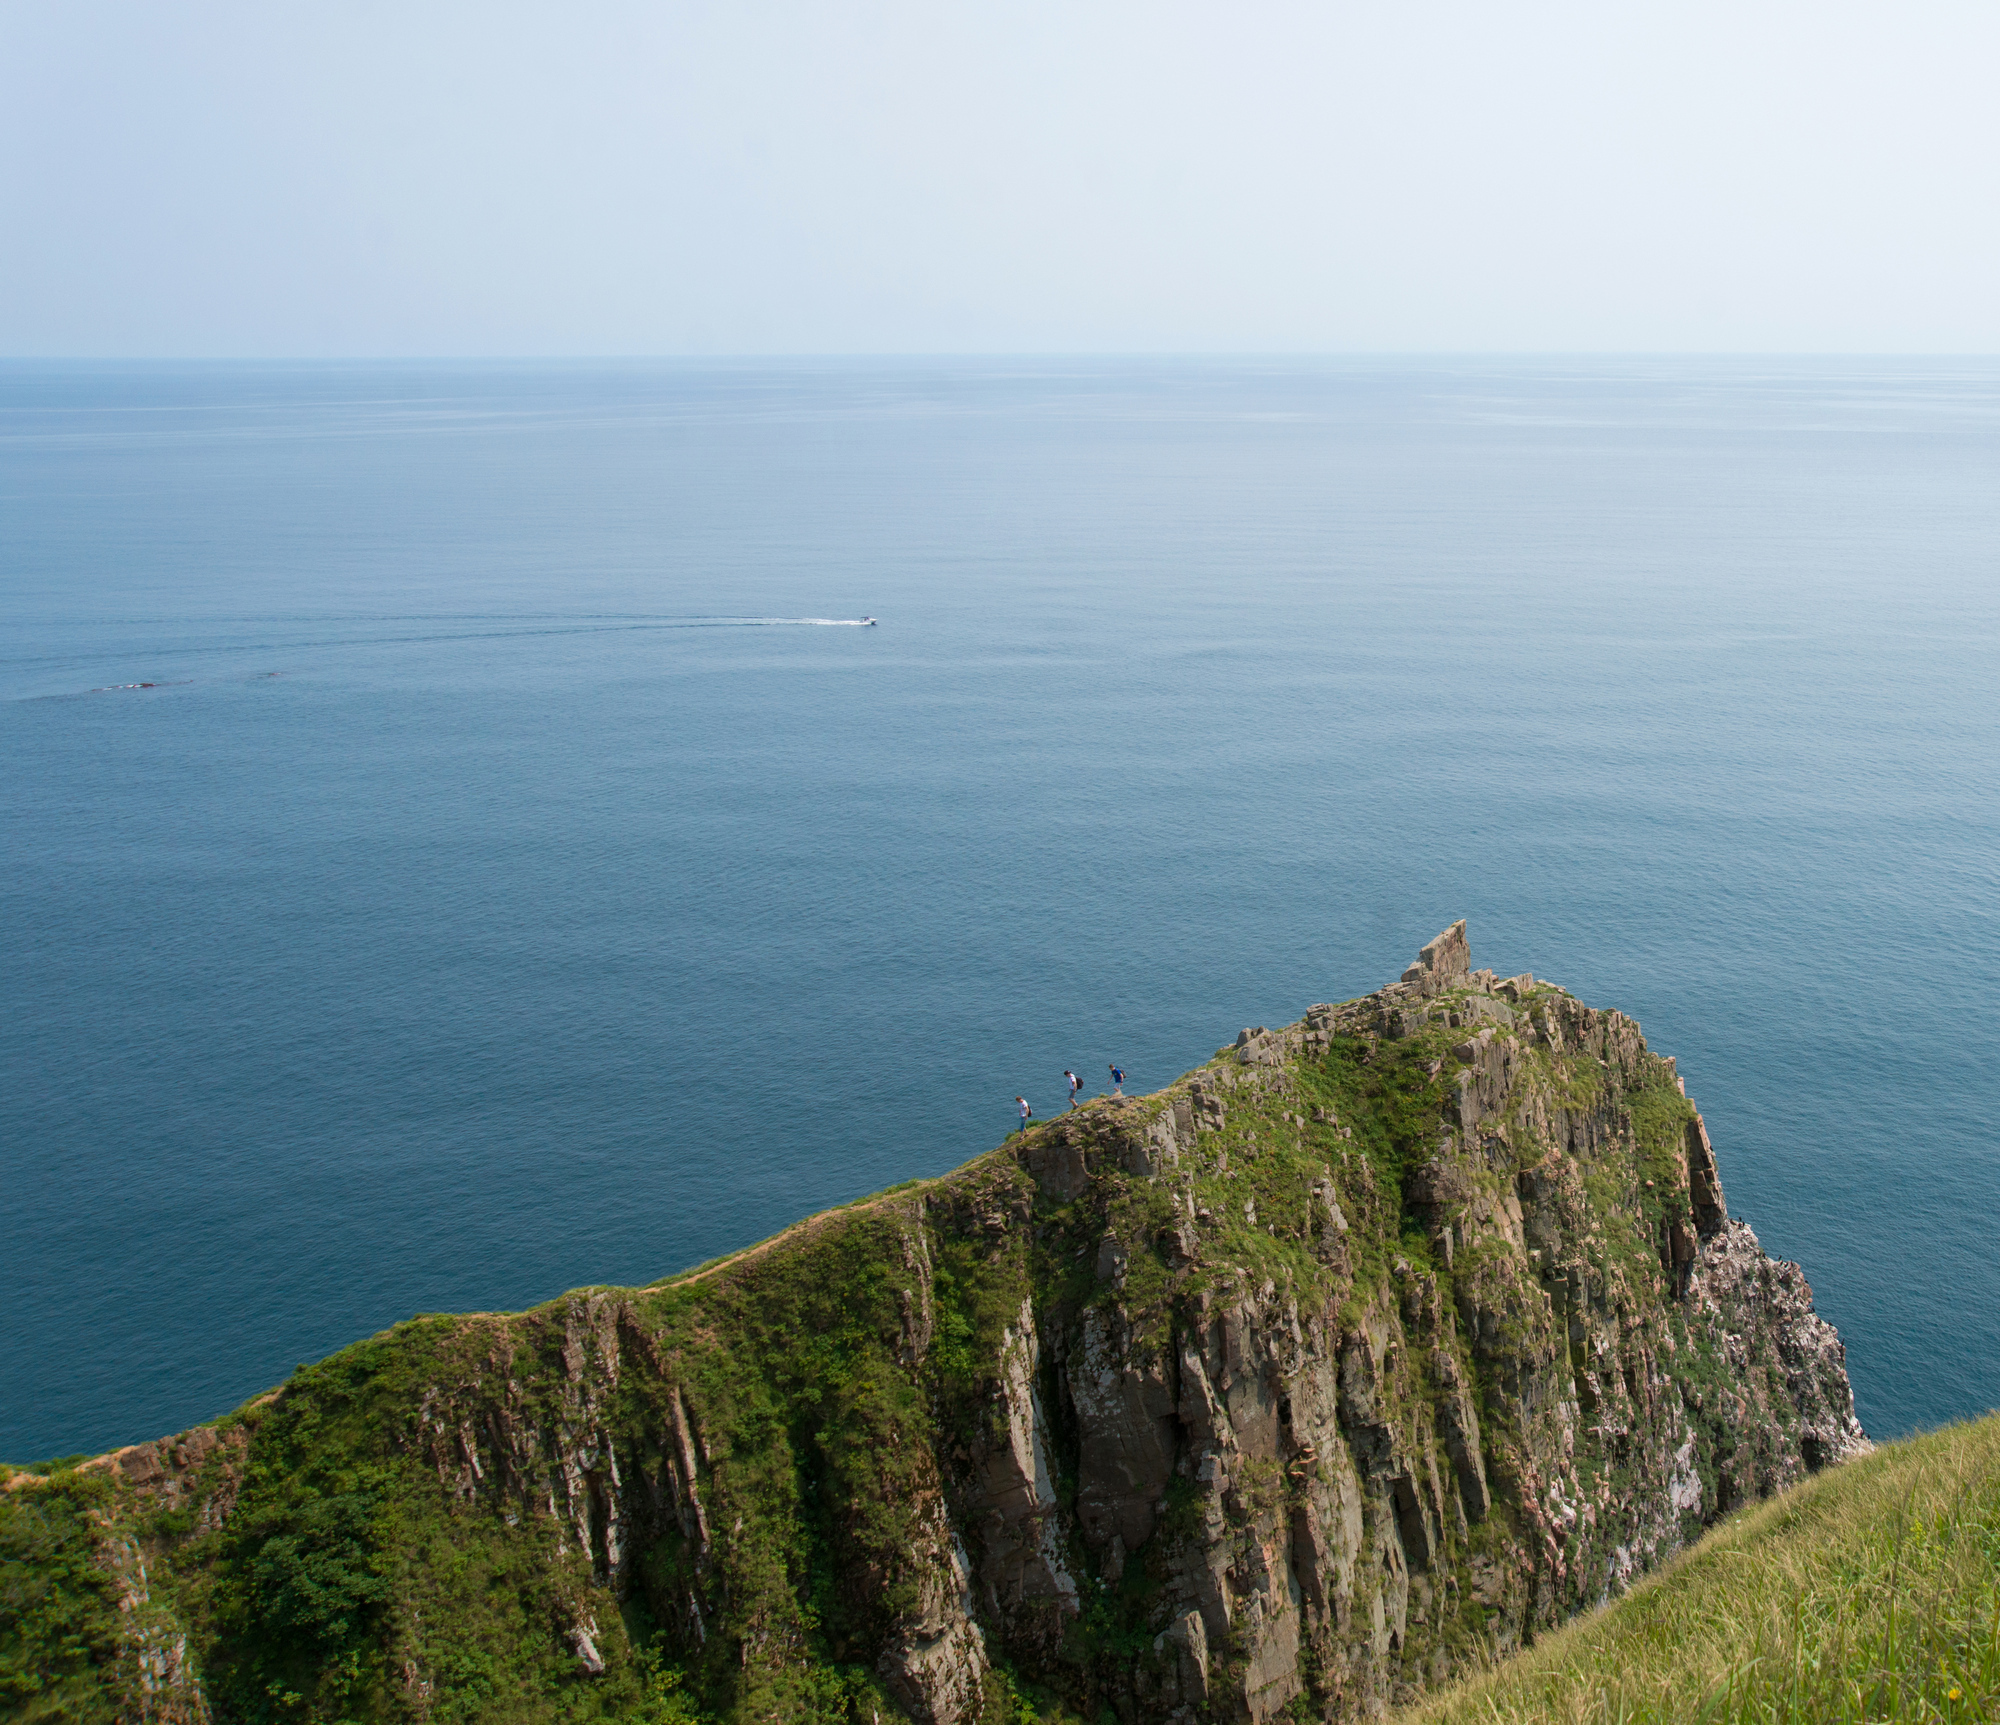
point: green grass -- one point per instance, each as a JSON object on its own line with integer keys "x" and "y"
{"x": 1871, "y": 1593}
{"x": 1387, "y": 1092}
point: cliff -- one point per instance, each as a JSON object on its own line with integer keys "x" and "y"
{"x": 1347, "y": 1362}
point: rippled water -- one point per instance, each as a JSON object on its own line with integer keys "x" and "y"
{"x": 496, "y": 893}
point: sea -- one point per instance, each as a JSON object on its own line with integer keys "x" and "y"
{"x": 464, "y": 838}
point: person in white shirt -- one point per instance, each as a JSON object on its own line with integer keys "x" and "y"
{"x": 1075, "y": 1084}
{"x": 1026, "y": 1111}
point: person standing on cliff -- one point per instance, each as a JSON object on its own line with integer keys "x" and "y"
{"x": 1026, "y": 1112}
{"x": 1075, "y": 1084}
{"x": 1118, "y": 1081}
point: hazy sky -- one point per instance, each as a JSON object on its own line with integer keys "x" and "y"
{"x": 368, "y": 177}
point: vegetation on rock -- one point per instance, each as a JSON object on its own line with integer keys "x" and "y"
{"x": 1368, "y": 1351}
{"x": 58, "y": 1608}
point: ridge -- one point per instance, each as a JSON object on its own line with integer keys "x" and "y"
{"x": 1346, "y": 1363}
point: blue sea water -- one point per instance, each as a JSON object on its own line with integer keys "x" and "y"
{"x": 505, "y": 887}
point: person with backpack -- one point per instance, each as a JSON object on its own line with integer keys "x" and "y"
{"x": 1118, "y": 1081}
{"x": 1027, "y": 1113}
{"x": 1075, "y": 1084}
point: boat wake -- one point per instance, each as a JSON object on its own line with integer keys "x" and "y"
{"x": 495, "y": 628}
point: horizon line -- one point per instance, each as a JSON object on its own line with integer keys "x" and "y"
{"x": 833, "y": 355}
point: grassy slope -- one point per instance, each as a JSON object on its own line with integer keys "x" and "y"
{"x": 1869, "y": 1593}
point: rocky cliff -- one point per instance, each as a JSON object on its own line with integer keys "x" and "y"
{"x": 1350, "y": 1360}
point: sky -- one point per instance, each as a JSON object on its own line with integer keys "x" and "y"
{"x": 428, "y": 177}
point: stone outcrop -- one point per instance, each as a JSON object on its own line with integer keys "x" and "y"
{"x": 1361, "y": 1355}
{"x": 195, "y": 1478}
{"x": 1444, "y": 961}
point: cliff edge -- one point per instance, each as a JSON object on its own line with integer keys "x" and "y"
{"x": 1345, "y": 1363}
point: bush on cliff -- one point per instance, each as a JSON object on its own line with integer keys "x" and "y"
{"x": 58, "y": 1610}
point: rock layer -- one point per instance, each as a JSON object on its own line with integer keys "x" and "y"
{"x": 1356, "y": 1357}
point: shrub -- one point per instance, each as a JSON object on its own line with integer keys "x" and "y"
{"x": 58, "y": 1612}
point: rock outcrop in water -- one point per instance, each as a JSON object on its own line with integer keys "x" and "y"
{"x": 1357, "y": 1356}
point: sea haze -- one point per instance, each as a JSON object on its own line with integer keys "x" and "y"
{"x": 507, "y": 886}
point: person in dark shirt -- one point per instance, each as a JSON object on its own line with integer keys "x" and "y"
{"x": 1118, "y": 1081}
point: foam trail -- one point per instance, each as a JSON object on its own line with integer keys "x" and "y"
{"x": 505, "y": 628}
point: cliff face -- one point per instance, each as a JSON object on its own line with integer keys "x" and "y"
{"x": 1353, "y": 1358}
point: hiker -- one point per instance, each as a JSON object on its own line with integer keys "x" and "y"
{"x": 1075, "y": 1084}
{"x": 1118, "y": 1081}
{"x": 1026, "y": 1111}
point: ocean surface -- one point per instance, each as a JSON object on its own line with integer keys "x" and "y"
{"x": 516, "y": 877}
